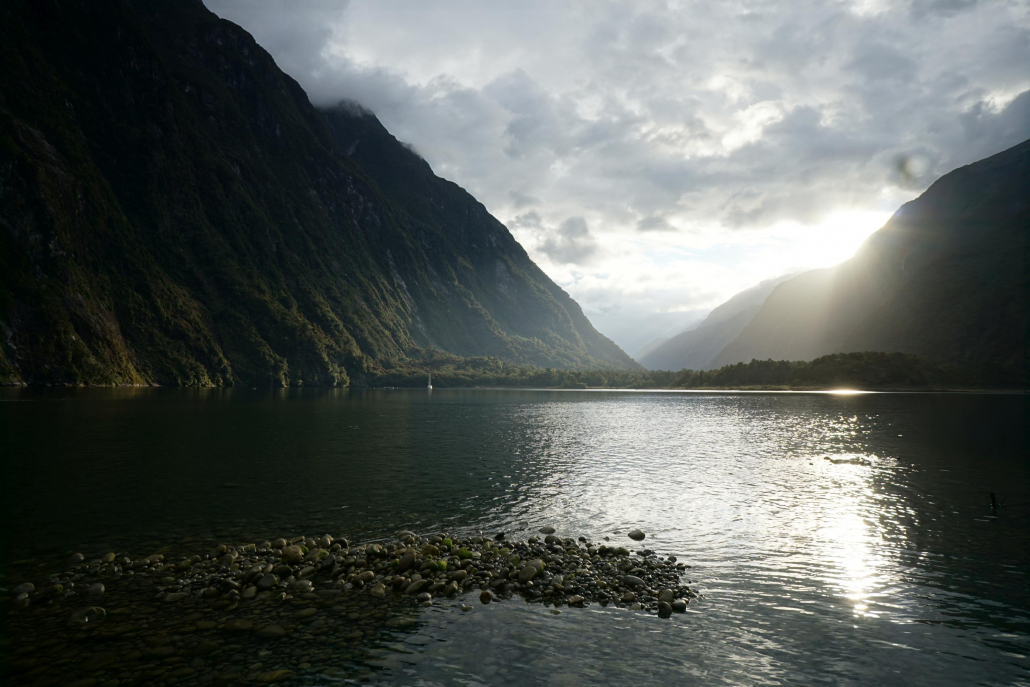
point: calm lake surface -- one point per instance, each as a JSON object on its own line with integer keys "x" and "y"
{"x": 838, "y": 539}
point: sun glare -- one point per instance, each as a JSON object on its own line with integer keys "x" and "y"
{"x": 836, "y": 238}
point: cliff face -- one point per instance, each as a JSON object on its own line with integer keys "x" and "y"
{"x": 948, "y": 278}
{"x": 175, "y": 211}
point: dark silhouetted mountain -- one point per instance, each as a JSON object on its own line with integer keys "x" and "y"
{"x": 695, "y": 349}
{"x": 947, "y": 278}
{"x": 175, "y": 211}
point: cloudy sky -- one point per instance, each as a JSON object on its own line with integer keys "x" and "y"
{"x": 655, "y": 158}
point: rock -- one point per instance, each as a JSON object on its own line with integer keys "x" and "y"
{"x": 632, "y": 581}
{"x": 406, "y": 562}
{"x": 679, "y": 606}
{"x": 279, "y": 543}
{"x": 636, "y": 535}
{"x": 175, "y": 596}
{"x": 301, "y": 586}
{"x": 21, "y": 601}
{"x": 308, "y": 571}
{"x": 576, "y": 600}
{"x": 666, "y": 595}
{"x": 366, "y": 577}
{"x": 107, "y": 558}
{"x": 547, "y": 530}
{"x": 628, "y": 597}
{"x": 305, "y": 613}
{"x": 227, "y": 560}
{"x": 238, "y": 625}
{"x": 271, "y": 632}
{"x": 249, "y": 592}
{"x": 424, "y": 596}
{"x": 24, "y": 588}
{"x": 95, "y": 589}
{"x": 100, "y": 660}
{"x": 555, "y": 611}
{"x": 293, "y": 554}
{"x": 378, "y": 591}
{"x": 273, "y": 676}
{"x": 451, "y": 589}
{"x": 266, "y": 582}
{"x": 458, "y": 575}
{"x": 664, "y": 609}
{"x": 416, "y": 586}
{"x": 326, "y": 541}
{"x": 466, "y": 607}
{"x": 486, "y": 596}
{"x": 76, "y": 558}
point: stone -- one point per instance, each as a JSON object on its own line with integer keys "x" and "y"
{"x": 76, "y": 558}
{"x": 24, "y": 588}
{"x": 628, "y": 597}
{"x": 95, "y": 589}
{"x": 100, "y": 660}
{"x": 424, "y": 596}
{"x": 273, "y": 676}
{"x": 266, "y": 582}
{"x": 664, "y": 609}
{"x": 175, "y": 596}
{"x": 416, "y": 586}
{"x": 666, "y": 595}
{"x": 21, "y": 601}
{"x": 378, "y": 591}
{"x": 486, "y": 596}
{"x": 293, "y": 554}
{"x": 636, "y": 535}
{"x": 108, "y": 558}
{"x": 406, "y": 562}
{"x": 301, "y": 586}
{"x": 279, "y": 543}
{"x": 238, "y": 625}
{"x": 576, "y": 600}
{"x": 249, "y": 592}
{"x": 271, "y": 632}
{"x": 547, "y": 530}
{"x": 679, "y": 606}
{"x": 632, "y": 581}
{"x": 305, "y": 613}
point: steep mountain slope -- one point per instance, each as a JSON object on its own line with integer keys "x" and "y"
{"x": 695, "y": 349}
{"x": 948, "y": 278}
{"x": 175, "y": 211}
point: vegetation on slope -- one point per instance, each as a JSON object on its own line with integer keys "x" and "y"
{"x": 868, "y": 370}
{"x": 173, "y": 210}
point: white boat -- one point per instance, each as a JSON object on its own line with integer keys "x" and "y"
{"x": 430, "y": 384}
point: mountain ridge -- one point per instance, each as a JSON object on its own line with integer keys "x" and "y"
{"x": 946, "y": 278}
{"x": 175, "y": 211}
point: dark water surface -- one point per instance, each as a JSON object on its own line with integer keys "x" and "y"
{"x": 839, "y": 539}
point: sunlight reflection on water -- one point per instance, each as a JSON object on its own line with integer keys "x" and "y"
{"x": 837, "y": 536}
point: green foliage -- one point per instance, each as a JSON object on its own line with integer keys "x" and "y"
{"x": 869, "y": 370}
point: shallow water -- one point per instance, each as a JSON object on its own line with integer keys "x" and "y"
{"x": 844, "y": 539}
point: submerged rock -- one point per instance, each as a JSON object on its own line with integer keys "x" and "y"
{"x": 636, "y": 535}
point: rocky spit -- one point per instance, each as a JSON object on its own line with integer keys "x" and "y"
{"x": 298, "y": 609}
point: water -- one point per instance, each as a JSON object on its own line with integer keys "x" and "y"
{"x": 839, "y": 539}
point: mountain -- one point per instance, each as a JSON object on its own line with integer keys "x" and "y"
{"x": 175, "y": 211}
{"x": 947, "y": 278}
{"x": 695, "y": 348}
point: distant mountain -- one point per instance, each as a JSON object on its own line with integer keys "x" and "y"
{"x": 948, "y": 278}
{"x": 696, "y": 348}
{"x": 175, "y": 211}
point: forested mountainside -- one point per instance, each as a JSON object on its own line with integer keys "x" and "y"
{"x": 696, "y": 348}
{"x": 175, "y": 211}
{"x": 947, "y": 278}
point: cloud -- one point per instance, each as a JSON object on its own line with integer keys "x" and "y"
{"x": 593, "y": 129}
{"x": 571, "y": 244}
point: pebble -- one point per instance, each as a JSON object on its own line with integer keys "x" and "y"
{"x": 95, "y": 589}
{"x": 636, "y": 535}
